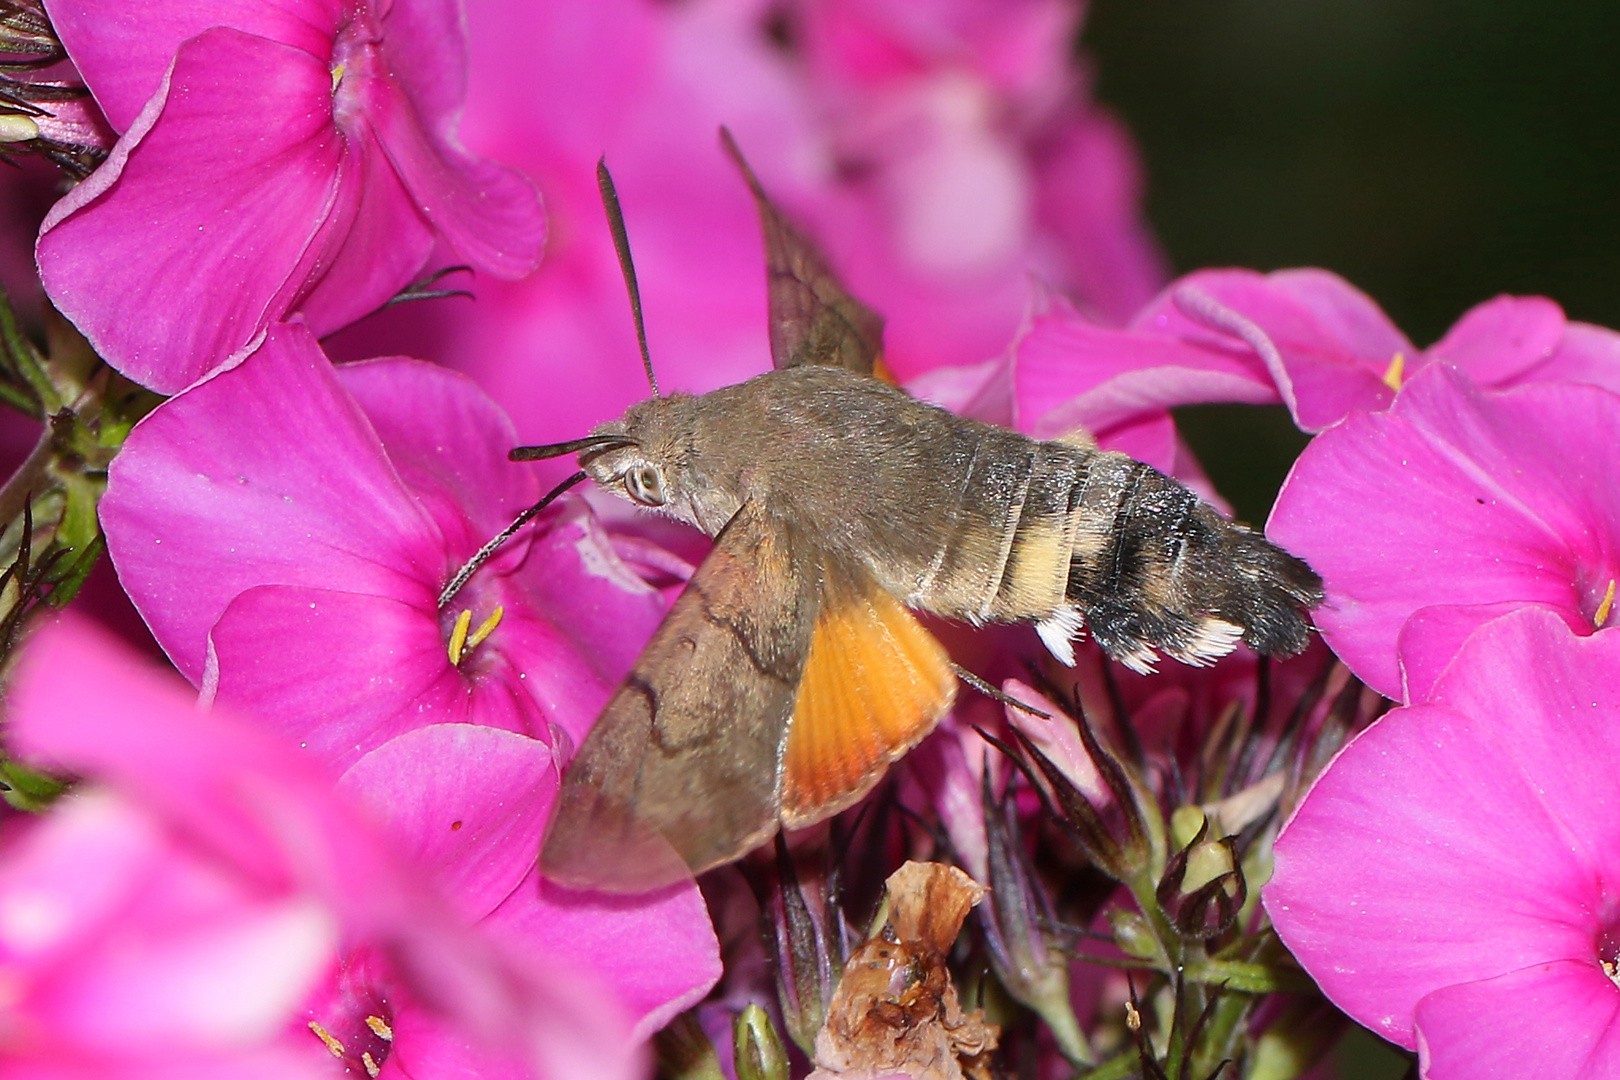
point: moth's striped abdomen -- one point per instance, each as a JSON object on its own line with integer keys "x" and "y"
{"x": 1060, "y": 535}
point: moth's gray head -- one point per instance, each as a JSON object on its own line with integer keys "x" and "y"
{"x": 660, "y": 468}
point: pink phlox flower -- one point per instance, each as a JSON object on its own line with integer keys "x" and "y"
{"x": 470, "y": 803}
{"x": 197, "y": 903}
{"x": 1451, "y": 880}
{"x": 558, "y": 85}
{"x": 285, "y": 529}
{"x": 1453, "y": 506}
{"x": 966, "y": 158}
{"x": 1059, "y": 191}
{"x": 1303, "y": 338}
{"x": 295, "y": 156}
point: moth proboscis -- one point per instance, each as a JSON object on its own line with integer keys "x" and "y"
{"x": 791, "y": 671}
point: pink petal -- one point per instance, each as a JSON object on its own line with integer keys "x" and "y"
{"x": 1454, "y": 497}
{"x": 374, "y": 242}
{"x": 232, "y": 979}
{"x": 1058, "y": 739}
{"x": 569, "y": 1031}
{"x": 1551, "y": 694}
{"x": 469, "y": 803}
{"x": 1089, "y": 192}
{"x": 1422, "y": 840}
{"x": 656, "y": 951}
{"x": 1430, "y": 638}
{"x": 1333, "y": 343}
{"x": 265, "y": 474}
{"x": 1070, "y": 373}
{"x": 425, "y": 42}
{"x": 448, "y": 441}
{"x": 1502, "y": 338}
{"x": 211, "y": 202}
{"x": 1587, "y": 354}
{"x": 1556, "y": 1019}
{"x": 336, "y": 674}
{"x": 489, "y": 214}
{"x": 70, "y": 877}
{"x": 123, "y": 50}
{"x": 82, "y": 704}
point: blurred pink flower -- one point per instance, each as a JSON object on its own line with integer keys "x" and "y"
{"x": 1453, "y": 506}
{"x": 326, "y": 508}
{"x": 469, "y": 803}
{"x": 1306, "y": 339}
{"x": 197, "y": 907}
{"x": 1450, "y": 881}
{"x": 993, "y": 116}
{"x": 297, "y": 156}
{"x": 966, "y": 158}
{"x": 286, "y": 528}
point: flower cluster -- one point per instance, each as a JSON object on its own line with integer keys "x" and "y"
{"x": 309, "y": 849}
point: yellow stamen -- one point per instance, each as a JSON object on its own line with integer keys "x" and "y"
{"x": 337, "y": 77}
{"x": 1604, "y": 608}
{"x": 485, "y": 628}
{"x": 328, "y": 1038}
{"x": 458, "y": 637}
{"x": 373, "y": 1070}
{"x": 380, "y": 1028}
{"x": 1395, "y": 371}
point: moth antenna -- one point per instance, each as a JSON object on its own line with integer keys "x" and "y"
{"x": 483, "y": 553}
{"x": 729, "y": 141}
{"x": 621, "y": 244}
{"x": 573, "y": 446}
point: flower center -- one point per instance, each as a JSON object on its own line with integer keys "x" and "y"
{"x": 1595, "y": 596}
{"x": 462, "y": 641}
{"x": 1608, "y": 953}
{"x": 356, "y": 56}
{"x": 368, "y": 1047}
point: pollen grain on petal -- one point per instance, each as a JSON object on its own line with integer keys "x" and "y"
{"x": 1396, "y": 372}
{"x": 379, "y": 1027}
{"x": 373, "y": 1070}
{"x": 458, "y": 637}
{"x": 328, "y": 1038}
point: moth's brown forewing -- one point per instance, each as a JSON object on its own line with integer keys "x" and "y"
{"x": 813, "y": 319}
{"x": 681, "y": 769}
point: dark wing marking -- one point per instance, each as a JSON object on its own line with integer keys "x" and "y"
{"x": 682, "y": 767}
{"x": 813, "y": 319}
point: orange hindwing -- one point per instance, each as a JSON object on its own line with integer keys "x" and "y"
{"x": 874, "y": 684}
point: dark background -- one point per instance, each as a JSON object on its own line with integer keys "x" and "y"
{"x": 1434, "y": 152}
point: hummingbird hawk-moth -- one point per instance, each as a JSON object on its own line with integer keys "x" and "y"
{"x": 791, "y": 671}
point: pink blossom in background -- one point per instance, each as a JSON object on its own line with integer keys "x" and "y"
{"x": 1450, "y": 880}
{"x": 988, "y": 91}
{"x": 1450, "y": 508}
{"x": 286, "y": 528}
{"x": 206, "y": 896}
{"x": 297, "y": 156}
{"x": 1306, "y": 339}
{"x": 966, "y": 159}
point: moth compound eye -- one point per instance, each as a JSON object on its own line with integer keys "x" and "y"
{"x": 645, "y": 485}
